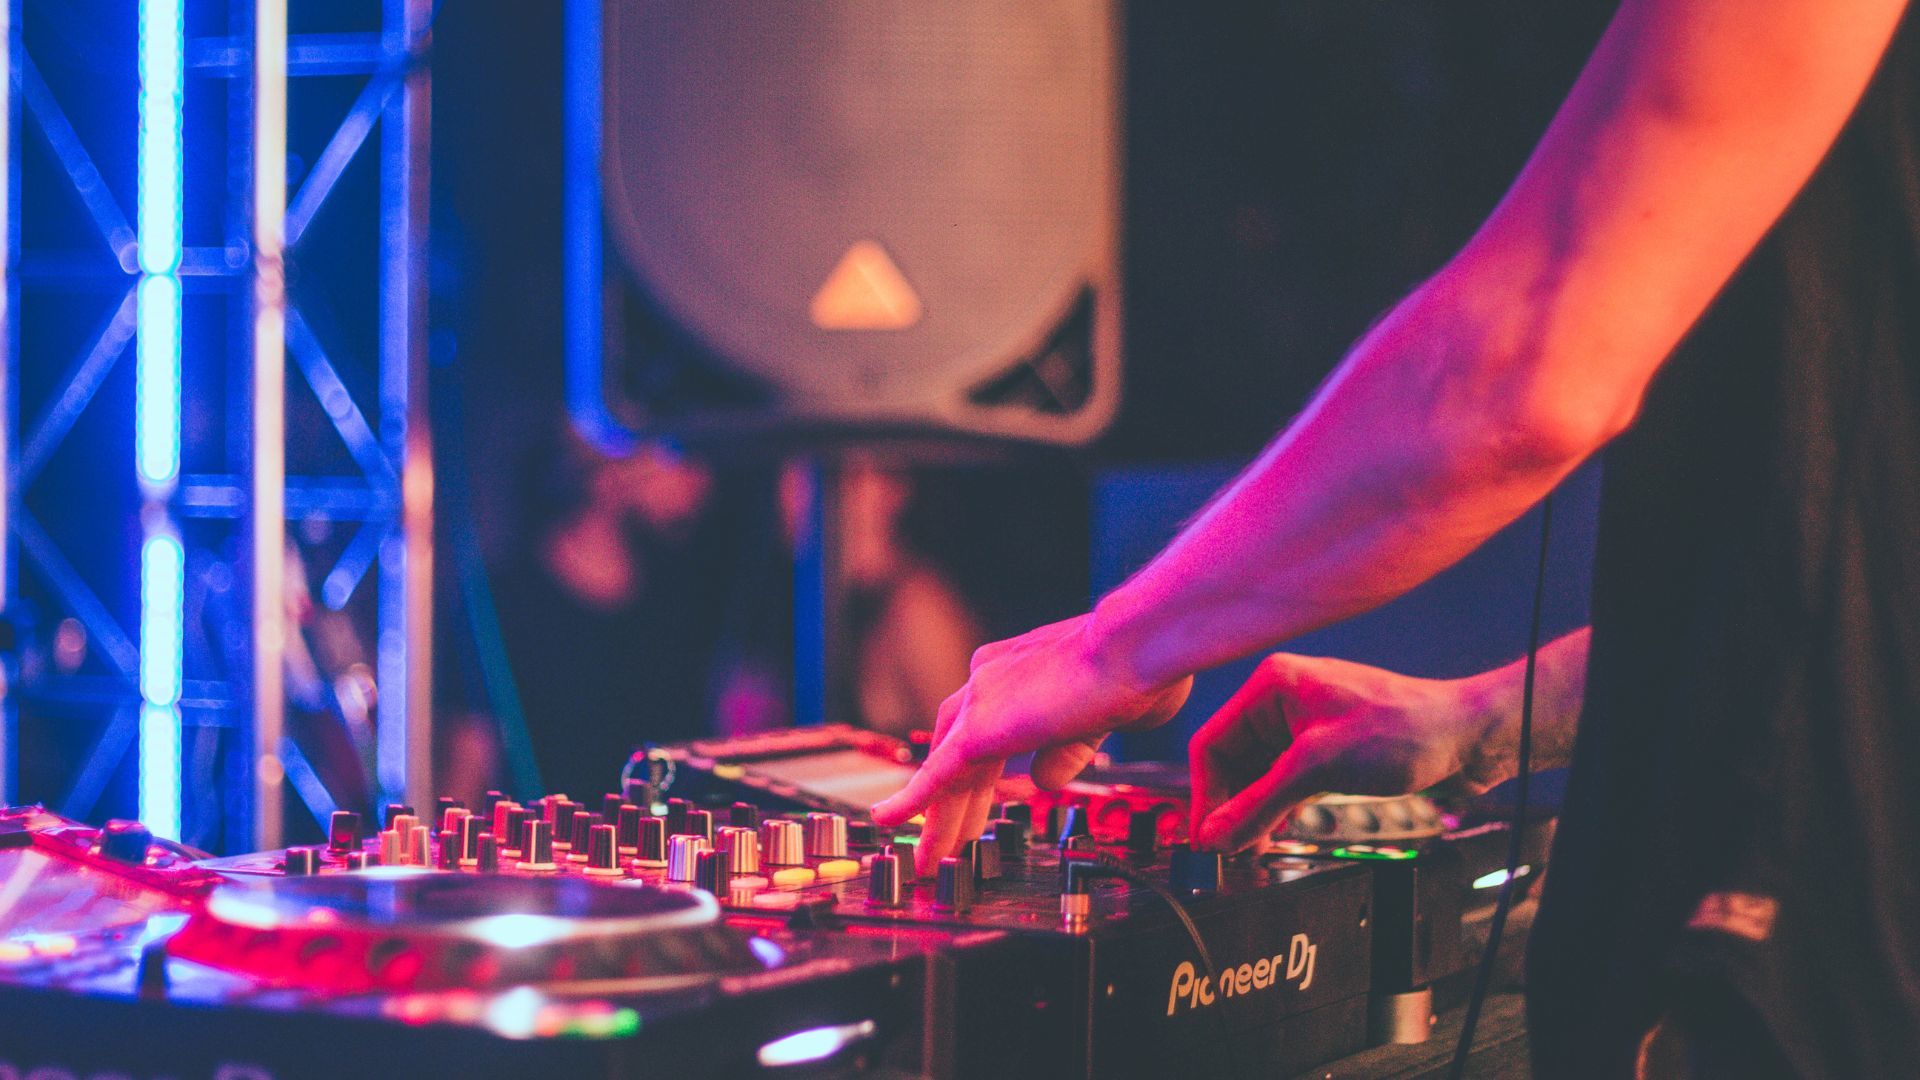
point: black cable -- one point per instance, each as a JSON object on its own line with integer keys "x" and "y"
{"x": 1483, "y": 980}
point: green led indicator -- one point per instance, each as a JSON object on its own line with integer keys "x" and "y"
{"x": 1368, "y": 851}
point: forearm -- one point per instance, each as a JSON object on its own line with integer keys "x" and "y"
{"x": 1494, "y": 699}
{"x": 1688, "y": 133}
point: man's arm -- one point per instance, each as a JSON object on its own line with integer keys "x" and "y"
{"x": 1688, "y": 133}
{"x": 1306, "y": 724}
{"x": 1690, "y": 130}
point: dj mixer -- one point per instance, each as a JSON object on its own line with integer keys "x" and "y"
{"x": 724, "y": 914}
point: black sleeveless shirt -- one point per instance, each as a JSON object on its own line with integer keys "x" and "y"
{"x": 1744, "y": 807}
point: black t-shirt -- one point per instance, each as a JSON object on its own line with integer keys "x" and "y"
{"x": 1744, "y": 808}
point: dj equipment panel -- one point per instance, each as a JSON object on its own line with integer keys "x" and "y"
{"x": 673, "y": 929}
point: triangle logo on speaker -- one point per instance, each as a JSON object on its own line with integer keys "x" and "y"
{"x": 865, "y": 291}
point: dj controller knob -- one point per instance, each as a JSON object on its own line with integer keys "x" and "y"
{"x": 392, "y": 848}
{"x": 1073, "y": 824}
{"x": 711, "y": 872}
{"x": 580, "y": 834}
{"x": 1056, "y": 821}
{"x": 603, "y": 856}
{"x": 677, "y": 816}
{"x": 640, "y": 793}
{"x": 1190, "y": 871}
{"x": 445, "y": 803}
{"x": 981, "y": 859}
{"x": 302, "y": 862}
{"x": 449, "y": 857}
{"x": 782, "y": 843}
{"x": 681, "y": 851}
{"x": 626, "y": 828}
{"x": 515, "y": 835}
{"x": 700, "y": 824}
{"x": 360, "y": 860}
{"x": 610, "y": 808}
{"x": 952, "y": 886}
{"x": 1017, "y": 811}
{"x": 471, "y": 829}
{"x": 499, "y": 817}
{"x": 392, "y": 811}
{"x": 562, "y": 818}
{"x": 403, "y": 824}
{"x": 343, "y": 831}
{"x": 862, "y": 834}
{"x": 1010, "y": 836}
{"x": 883, "y": 880}
{"x": 490, "y": 800}
{"x": 904, "y": 852}
{"x": 125, "y": 841}
{"x": 450, "y": 818}
{"x": 487, "y": 854}
{"x": 1143, "y": 835}
{"x": 827, "y": 836}
{"x": 652, "y": 850}
{"x": 536, "y": 846}
{"x": 417, "y": 846}
{"x": 741, "y": 845}
{"x": 744, "y": 814}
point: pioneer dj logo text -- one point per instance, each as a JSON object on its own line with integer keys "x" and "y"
{"x": 1195, "y": 991}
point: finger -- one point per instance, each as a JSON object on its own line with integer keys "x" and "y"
{"x": 1054, "y": 766}
{"x": 980, "y": 802}
{"x": 1230, "y": 750}
{"x": 1252, "y": 814}
{"x": 940, "y": 771}
{"x": 946, "y": 817}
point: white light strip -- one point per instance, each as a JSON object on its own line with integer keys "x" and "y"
{"x": 156, "y": 422}
{"x": 1499, "y": 877}
{"x": 269, "y": 437}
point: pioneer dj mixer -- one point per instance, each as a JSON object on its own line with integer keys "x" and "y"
{"x": 722, "y": 915}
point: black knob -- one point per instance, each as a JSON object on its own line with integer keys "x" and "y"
{"x": 1017, "y": 811}
{"x": 360, "y": 860}
{"x": 952, "y": 887}
{"x": 470, "y": 829}
{"x": 883, "y": 880}
{"x": 677, "y": 816}
{"x": 982, "y": 860}
{"x": 1072, "y": 824}
{"x": 610, "y": 808}
{"x": 392, "y": 811}
{"x": 602, "y": 852}
{"x": 343, "y": 831}
{"x": 641, "y": 793}
{"x": 580, "y": 833}
{"x": 698, "y": 823}
{"x": 518, "y": 819}
{"x": 445, "y": 803}
{"x": 1190, "y": 871}
{"x": 1143, "y": 834}
{"x": 653, "y": 841}
{"x": 302, "y": 862}
{"x": 560, "y": 812}
{"x": 125, "y": 841}
{"x": 449, "y": 856}
{"x": 713, "y": 871}
{"x": 536, "y": 846}
{"x": 490, "y": 800}
{"x": 627, "y": 828}
{"x": 487, "y": 853}
{"x": 862, "y": 833}
{"x": 904, "y": 852}
{"x": 1010, "y": 836}
{"x": 744, "y": 814}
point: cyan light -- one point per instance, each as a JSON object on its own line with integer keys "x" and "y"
{"x": 160, "y": 769}
{"x": 156, "y": 391}
{"x": 162, "y": 571}
{"x": 162, "y": 41}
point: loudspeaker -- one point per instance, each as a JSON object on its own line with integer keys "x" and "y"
{"x": 867, "y": 216}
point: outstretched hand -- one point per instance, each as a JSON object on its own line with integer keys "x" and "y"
{"x": 1304, "y": 725}
{"x": 1050, "y": 691}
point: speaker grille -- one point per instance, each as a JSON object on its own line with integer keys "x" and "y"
{"x": 753, "y": 146}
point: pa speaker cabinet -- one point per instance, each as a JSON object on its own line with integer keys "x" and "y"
{"x": 867, "y": 216}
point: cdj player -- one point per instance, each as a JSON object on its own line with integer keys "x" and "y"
{"x": 725, "y": 914}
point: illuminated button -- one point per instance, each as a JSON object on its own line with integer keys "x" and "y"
{"x": 13, "y": 952}
{"x": 1295, "y": 847}
{"x": 776, "y": 901}
{"x": 796, "y": 876}
{"x": 837, "y": 869}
